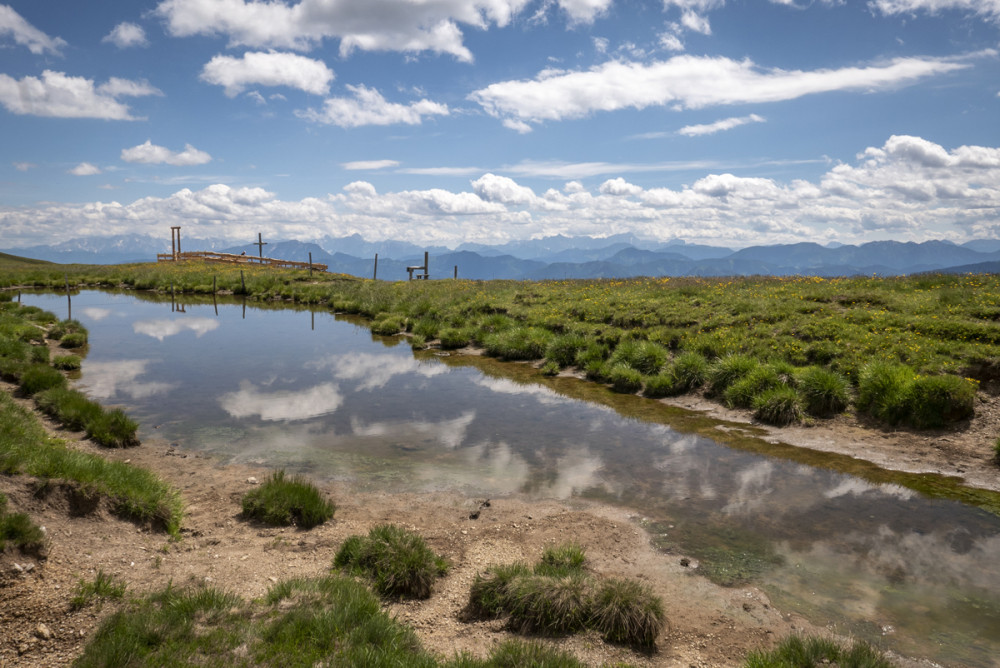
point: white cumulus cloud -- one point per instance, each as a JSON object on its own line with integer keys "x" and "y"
{"x": 149, "y": 153}
{"x": 268, "y": 69}
{"x": 368, "y": 107}
{"x": 125, "y": 35}
{"x": 85, "y": 169}
{"x": 13, "y": 25}
{"x": 57, "y": 94}
{"x": 685, "y": 81}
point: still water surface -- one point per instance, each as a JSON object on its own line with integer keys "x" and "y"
{"x": 316, "y": 393}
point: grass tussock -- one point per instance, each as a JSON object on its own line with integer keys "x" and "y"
{"x": 397, "y": 561}
{"x": 284, "y": 501}
{"x": 811, "y": 652}
{"x": 18, "y": 531}
{"x": 557, "y": 596}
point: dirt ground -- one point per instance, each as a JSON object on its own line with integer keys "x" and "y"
{"x": 708, "y": 625}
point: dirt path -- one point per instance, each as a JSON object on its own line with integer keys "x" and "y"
{"x": 708, "y": 625}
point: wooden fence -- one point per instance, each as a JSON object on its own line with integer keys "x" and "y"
{"x": 228, "y": 258}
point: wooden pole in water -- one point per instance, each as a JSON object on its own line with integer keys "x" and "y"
{"x": 375, "y": 273}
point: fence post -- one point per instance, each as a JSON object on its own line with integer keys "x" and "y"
{"x": 243, "y": 284}
{"x": 310, "y": 265}
{"x": 375, "y": 273}
{"x": 456, "y": 271}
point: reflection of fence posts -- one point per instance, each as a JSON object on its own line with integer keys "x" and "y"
{"x": 424, "y": 276}
{"x": 228, "y": 258}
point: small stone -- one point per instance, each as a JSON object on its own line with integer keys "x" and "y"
{"x": 251, "y": 480}
{"x": 43, "y": 632}
{"x": 685, "y": 562}
{"x": 23, "y": 648}
{"x": 17, "y": 568}
{"x": 28, "y": 568}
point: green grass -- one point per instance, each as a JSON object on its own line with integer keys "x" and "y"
{"x": 131, "y": 492}
{"x": 931, "y": 325}
{"x": 812, "y": 652}
{"x": 300, "y": 623}
{"x": 67, "y": 362}
{"x": 284, "y": 501}
{"x": 397, "y": 561}
{"x": 18, "y": 531}
{"x": 557, "y": 597}
{"x": 39, "y": 377}
{"x": 824, "y": 392}
{"x": 779, "y": 406}
{"x": 103, "y": 587}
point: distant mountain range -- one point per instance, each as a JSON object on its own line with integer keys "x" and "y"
{"x": 558, "y": 257}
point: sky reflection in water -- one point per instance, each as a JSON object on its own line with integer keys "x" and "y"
{"x": 313, "y": 393}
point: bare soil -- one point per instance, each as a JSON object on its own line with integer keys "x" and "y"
{"x": 708, "y": 625}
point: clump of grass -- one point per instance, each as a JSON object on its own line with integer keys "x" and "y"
{"x": 452, "y": 338}
{"x": 40, "y": 354}
{"x": 418, "y": 342}
{"x": 113, "y": 429}
{"x": 936, "y": 401}
{"x": 725, "y": 371}
{"x": 561, "y": 560}
{"x": 550, "y": 368}
{"x": 557, "y": 596}
{"x": 387, "y": 324}
{"x": 660, "y": 385}
{"x": 690, "y": 371}
{"x": 398, "y": 561}
{"x": 645, "y": 357}
{"x": 103, "y": 586}
{"x": 73, "y": 340}
{"x": 69, "y": 407}
{"x": 284, "y": 501}
{"x": 518, "y": 343}
{"x": 67, "y": 362}
{"x": 824, "y": 392}
{"x": 627, "y": 612}
{"x": 39, "y": 377}
{"x": 797, "y": 652}
{"x": 743, "y": 391}
{"x": 514, "y": 653}
{"x": 18, "y": 530}
{"x": 883, "y": 391}
{"x": 779, "y": 406}
{"x": 622, "y": 377}
{"x": 563, "y": 350}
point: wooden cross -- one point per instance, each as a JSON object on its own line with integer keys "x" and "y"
{"x": 260, "y": 246}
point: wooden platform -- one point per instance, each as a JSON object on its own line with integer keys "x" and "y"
{"x": 228, "y": 258}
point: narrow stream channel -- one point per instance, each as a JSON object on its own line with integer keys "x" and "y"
{"x": 313, "y": 392}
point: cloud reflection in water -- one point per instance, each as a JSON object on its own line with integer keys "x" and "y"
{"x": 161, "y": 329}
{"x": 104, "y": 380}
{"x": 282, "y": 404}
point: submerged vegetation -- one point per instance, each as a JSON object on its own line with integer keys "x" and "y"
{"x": 902, "y": 350}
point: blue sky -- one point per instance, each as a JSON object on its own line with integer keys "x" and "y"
{"x": 731, "y": 122}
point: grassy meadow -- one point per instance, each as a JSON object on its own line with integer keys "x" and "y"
{"x": 901, "y": 350}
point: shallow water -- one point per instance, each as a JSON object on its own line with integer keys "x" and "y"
{"x": 312, "y": 392}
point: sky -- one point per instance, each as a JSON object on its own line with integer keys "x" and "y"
{"x": 727, "y": 122}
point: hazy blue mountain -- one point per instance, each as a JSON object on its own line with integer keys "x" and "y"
{"x": 983, "y": 245}
{"x": 356, "y": 245}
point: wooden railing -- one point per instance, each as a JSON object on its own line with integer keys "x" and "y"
{"x": 228, "y": 258}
